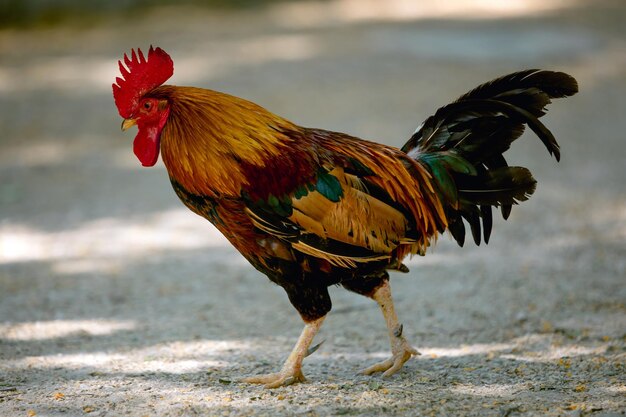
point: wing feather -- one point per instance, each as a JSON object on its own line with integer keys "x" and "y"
{"x": 358, "y": 219}
{"x": 367, "y": 203}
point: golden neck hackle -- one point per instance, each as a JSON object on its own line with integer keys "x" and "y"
{"x": 207, "y": 135}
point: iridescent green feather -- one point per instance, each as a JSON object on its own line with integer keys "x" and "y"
{"x": 329, "y": 186}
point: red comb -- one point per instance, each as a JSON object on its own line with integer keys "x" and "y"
{"x": 140, "y": 76}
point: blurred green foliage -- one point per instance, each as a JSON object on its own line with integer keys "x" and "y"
{"x": 32, "y": 13}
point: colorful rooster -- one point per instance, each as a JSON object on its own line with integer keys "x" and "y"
{"x": 311, "y": 208}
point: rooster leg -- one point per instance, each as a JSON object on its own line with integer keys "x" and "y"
{"x": 401, "y": 350}
{"x": 292, "y": 368}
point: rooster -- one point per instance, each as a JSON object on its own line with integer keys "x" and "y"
{"x": 311, "y": 208}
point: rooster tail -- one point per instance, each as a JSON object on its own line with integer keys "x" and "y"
{"x": 463, "y": 143}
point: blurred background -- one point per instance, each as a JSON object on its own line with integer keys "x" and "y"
{"x": 99, "y": 258}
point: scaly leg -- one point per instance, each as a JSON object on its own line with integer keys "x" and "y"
{"x": 291, "y": 371}
{"x": 401, "y": 350}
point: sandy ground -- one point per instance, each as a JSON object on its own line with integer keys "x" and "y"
{"x": 115, "y": 300}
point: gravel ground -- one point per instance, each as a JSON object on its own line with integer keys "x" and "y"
{"x": 115, "y": 300}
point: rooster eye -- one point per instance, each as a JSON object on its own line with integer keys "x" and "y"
{"x": 147, "y": 105}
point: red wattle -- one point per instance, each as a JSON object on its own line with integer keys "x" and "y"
{"x": 146, "y": 146}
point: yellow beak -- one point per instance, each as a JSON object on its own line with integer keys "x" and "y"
{"x": 128, "y": 123}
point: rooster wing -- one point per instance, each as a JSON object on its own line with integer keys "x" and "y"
{"x": 368, "y": 203}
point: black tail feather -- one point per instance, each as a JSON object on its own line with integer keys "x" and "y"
{"x": 475, "y": 131}
{"x": 525, "y": 87}
{"x": 485, "y": 214}
{"x": 502, "y": 186}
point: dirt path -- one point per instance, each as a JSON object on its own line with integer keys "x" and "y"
{"x": 115, "y": 300}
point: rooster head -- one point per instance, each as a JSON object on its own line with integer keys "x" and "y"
{"x": 140, "y": 75}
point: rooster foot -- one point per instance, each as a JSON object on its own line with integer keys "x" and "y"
{"x": 402, "y": 352}
{"x": 292, "y": 368}
{"x": 279, "y": 379}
